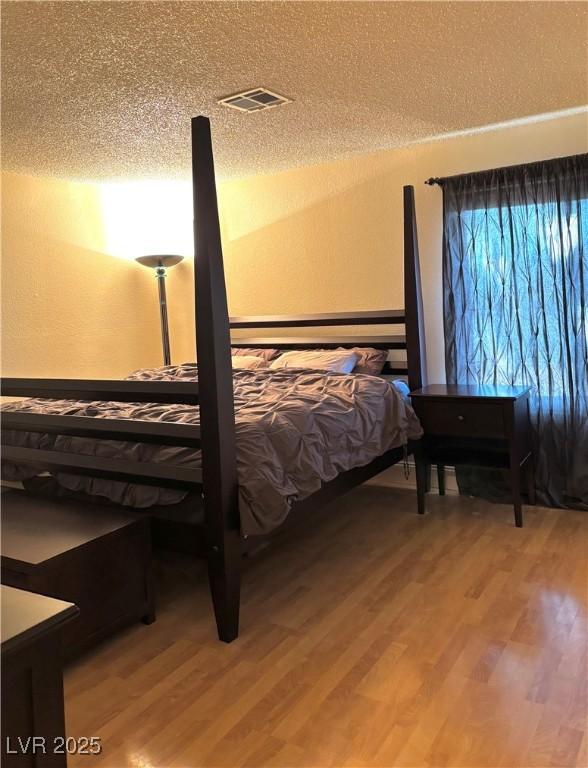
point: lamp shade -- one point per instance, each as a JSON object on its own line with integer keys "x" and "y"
{"x": 159, "y": 260}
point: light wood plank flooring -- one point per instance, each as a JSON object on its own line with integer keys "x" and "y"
{"x": 376, "y": 638}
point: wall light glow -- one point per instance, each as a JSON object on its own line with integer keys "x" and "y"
{"x": 145, "y": 217}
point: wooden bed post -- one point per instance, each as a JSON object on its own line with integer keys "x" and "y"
{"x": 413, "y": 306}
{"x": 215, "y": 378}
{"x": 415, "y": 333}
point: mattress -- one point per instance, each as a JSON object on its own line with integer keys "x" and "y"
{"x": 295, "y": 429}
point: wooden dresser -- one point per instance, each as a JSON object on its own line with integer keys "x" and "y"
{"x": 33, "y": 723}
{"x": 96, "y": 556}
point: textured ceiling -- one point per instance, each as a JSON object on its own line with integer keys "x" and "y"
{"x": 106, "y": 89}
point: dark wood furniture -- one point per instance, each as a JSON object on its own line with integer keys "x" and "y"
{"x": 215, "y": 436}
{"x": 95, "y": 556}
{"x": 32, "y": 679}
{"x": 475, "y": 425}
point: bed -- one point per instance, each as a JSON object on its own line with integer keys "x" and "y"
{"x": 235, "y": 454}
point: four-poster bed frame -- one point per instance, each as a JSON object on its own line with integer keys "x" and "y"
{"x": 215, "y": 437}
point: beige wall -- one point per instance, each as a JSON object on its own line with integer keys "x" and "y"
{"x": 69, "y": 307}
{"x": 315, "y": 239}
{"x": 329, "y": 237}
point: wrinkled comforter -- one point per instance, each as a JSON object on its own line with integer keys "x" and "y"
{"x": 295, "y": 428}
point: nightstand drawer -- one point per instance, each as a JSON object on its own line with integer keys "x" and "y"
{"x": 447, "y": 417}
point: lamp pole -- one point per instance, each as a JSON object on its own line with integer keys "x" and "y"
{"x": 160, "y": 263}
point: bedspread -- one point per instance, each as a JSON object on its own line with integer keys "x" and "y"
{"x": 295, "y": 429}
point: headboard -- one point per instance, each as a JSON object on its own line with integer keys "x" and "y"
{"x": 330, "y": 341}
{"x": 411, "y": 365}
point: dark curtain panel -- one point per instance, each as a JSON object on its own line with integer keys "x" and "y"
{"x": 515, "y": 277}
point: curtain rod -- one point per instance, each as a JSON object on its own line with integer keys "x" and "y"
{"x": 440, "y": 180}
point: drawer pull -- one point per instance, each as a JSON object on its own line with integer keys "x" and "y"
{"x": 460, "y": 418}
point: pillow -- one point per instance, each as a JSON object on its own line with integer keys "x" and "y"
{"x": 248, "y": 361}
{"x": 402, "y": 387}
{"x": 371, "y": 361}
{"x": 335, "y": 360}
{"x": 266, "y": 354}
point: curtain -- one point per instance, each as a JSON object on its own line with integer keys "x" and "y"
{"x": 515, "y": 285}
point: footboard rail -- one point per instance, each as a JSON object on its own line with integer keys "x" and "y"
{"x": 123, "y": 391}
{"x": 98, "y": 428}
{"x": 158, "y": 432}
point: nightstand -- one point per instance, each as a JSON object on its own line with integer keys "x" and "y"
{"x": 478, "y": 426}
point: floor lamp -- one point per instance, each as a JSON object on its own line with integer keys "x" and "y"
{"x": 160, "y": 263}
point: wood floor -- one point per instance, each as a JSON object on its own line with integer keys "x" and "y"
{"x": 378, "y": 638}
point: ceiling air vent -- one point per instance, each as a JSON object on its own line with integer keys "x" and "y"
{"x": 254, "y": 100}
